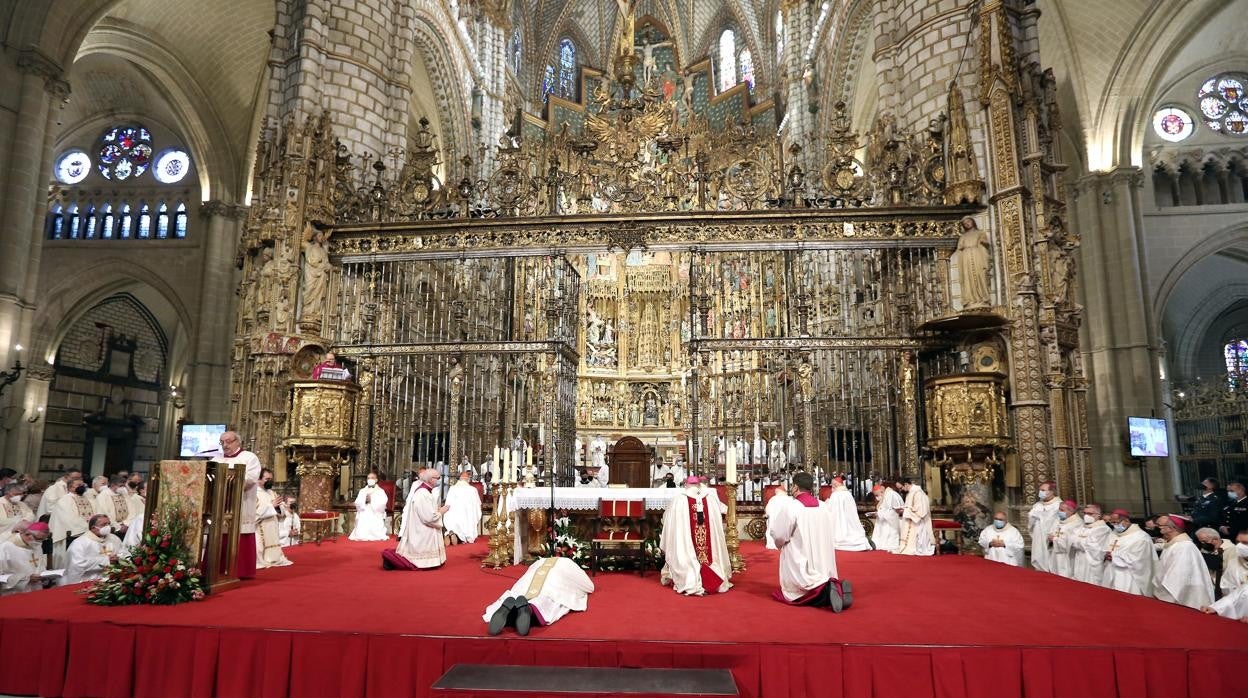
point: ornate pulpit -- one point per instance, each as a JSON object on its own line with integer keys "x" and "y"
{"x": 321, "y": 436}
{"x": 209, "y": 496}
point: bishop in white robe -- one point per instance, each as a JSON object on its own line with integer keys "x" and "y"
{"x": 1061, "y": 538}
{"x": 1002, "y": 542}
{"x": 463, "y": 515}
{"x": 12, "y": 508}
{"x": 695, "y": 551}
{"x": 421, "y": 545}
{"x": 1234, "y": 605}
{"x": 550, "y": 589}
{"x": 1235, "y": 565}
{"x": 65, "y": 484}
{"x": 23, "y": 560}
{"x": 232, "y": 452}
{"x": 1132, "y": 561}
{"x": 1039, "y": 522}
{"x": 805, "y": 532}
{"x": 1088, "y": 548}
{"x": 69, "y": 520}
{"x": 268, "y": 538}
{"x": 370, "y": 512}
{"x": 778, "y": 499}
{"x": 887, "y": 532}
{"x": 115, "y": 504}
{"x": 1181, "y": 576}
{"x": 847, "y": 528}
{"x": 91, "y": 552}
{"x": 916, "y": 522}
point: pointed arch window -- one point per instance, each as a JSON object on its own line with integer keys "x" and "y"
{"x": 108, "y": 222}
{"x": 727, "y": 59}
{"x": 125, "y": 222}
{"x": 779, "y": 35}
{"x": 1236, "y": 355}
{"x": 515, "y": 50}
{"x": 162, "y": 221}
{"x": 90, "y": 222}
{"x": 74, "y": 221}
{"x": 179, "y": 220}
{"x": 56, "y": 222}
{"x": 745, "y": 68}
{"x": 145, "y": 220}
{"x": 567, "y": 68}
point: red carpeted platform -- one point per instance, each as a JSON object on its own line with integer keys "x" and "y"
{"x": 335, "y": 624}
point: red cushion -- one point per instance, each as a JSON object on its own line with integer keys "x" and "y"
{"x": 318, "y": 515}
{"x": 618, "y": 507}
{"x": 387, "y": 486}
{"x": 770, "y": 491}
{"x": 945, "y": 523}
{"x": 618, "y": 536}
{"x": 480, "y": 489}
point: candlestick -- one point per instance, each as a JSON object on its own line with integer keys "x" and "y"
{"x": 730, "y": 468}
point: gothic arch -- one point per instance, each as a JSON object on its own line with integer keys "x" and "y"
{"x": 846, "y": 55}
{"x": 448, "y": 71}
{"x": 586, "y": 54}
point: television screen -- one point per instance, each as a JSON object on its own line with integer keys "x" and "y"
{"x": 201, "y": 440}
{"x": 1148, "y": 437}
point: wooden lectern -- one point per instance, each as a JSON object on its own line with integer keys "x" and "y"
{"x": 210, "y": 494}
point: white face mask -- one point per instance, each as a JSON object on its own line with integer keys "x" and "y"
{"x": 16, "y": 499}
{"x": 105, "y": 530}
{"x": 1242, "y": 549}
{"x": 1044, "y": 495}
{"x": 371, "y": 483}
{"x": 101, "y": 488}
{"x": 1089, "y": 519}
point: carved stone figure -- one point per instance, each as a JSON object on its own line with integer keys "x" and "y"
{"x": 974, "y": 260}
{"x": 316, "y": 271}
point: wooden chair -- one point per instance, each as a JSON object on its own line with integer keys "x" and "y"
{"x": 621, "y": 525}
{"x": 388, "y": 486}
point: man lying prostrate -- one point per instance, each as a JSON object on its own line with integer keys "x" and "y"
{"x": 548, "y": 590}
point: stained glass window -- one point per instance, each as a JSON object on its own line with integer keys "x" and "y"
{"x": 567, "y": 69}
{"x": 779, "y": 35}
{"x": 56, "y": 222}
{"x": 1172, "y": 124}
{"x": 179, "y": 221}
{"x": 548, "y": 81}
{"x": 1224, "y": 103}
{"x": 126, "y": 221}
{"x": 107, "y": 221}
{"x": 171, "y": 166}
{"x": 145, "y": 220}
{"x": 727, "y": 60}
{"x": 746, "y": 66}
{"x": 162, "y": 221}
{"x": 1236, "y": 354}
{"x": 74, "y": 220}
{"x": 516, "y": 49}
{"x": 72, "y": 167}
{"x": 124, "y": 152}
{"x": 89, "y": 218}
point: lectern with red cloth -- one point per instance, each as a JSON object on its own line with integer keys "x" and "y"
{"x": 621, "y": 525}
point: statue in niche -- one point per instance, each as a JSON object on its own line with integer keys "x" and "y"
{"x": 598, "y": 452}
{"x": 608, "y": 334}
{"x": 974, "y": 260}
{"x": 593, "y": 326}
{"x": 648, "y": 336}
{"x": 316, "y": 270}
{"x": 676, "y": 414}
{"x": 776, "y": 457}
{"x": 649, "y": 64}
{"x": 634, "y": 415}
{"x": 651, "y": 412}
{"x": 791, "y": 448}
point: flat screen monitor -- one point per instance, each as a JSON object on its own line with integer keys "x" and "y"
{"x": 201, "y": 440}
{"x": 1148, "y": 437}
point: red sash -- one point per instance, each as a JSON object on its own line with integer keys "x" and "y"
{"x": 701, "y": 534}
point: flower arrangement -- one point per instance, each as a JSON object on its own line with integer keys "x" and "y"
{"x": 567, "y": 544}
{"x": 158, "y": 570}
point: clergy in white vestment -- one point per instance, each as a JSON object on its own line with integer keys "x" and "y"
{"x": 69, "y": 520}
{"x": 847, "y": 530}
{"x": 23, "y": 560}
{"x": 134, "y": 536}
{"x": 63, "y": 485}
{"x": 288, "y": 530}
{"x": 1040, "y": 521}
{"x": 695, "y": 551}
{"x": 91, "y": 552}
{"x": 232, "y": 452}
{"x": 421, "y": 545}
{"x": 1087, "y": 550}
{"x": 600, "y": 476}
{"x": 547, "y": 591}
{"x": 1235, "y": 565}
{"x": 99, "y": 484}
{"x": 268, "y": 519}
{"x": 370, "y": 512}
{"x": 1129, "y": 552}
{"x": 1181, "y": 577}
{"x": 779, "y": 498}
{"x": 12, "y": 508}
{"x": 1061, "y": 539}
{"x": 887, "y": 532}
{"x": 1234, "y": 605}
{"x": 805, "y": 532}
{"x": 1002, "y": 542}
{"x": 463, "y": 515}
{"x": 115, "y": 504}
{"x": 916, "y": 522}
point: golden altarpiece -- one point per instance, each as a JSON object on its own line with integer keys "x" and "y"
{"x": 651, "y": 262}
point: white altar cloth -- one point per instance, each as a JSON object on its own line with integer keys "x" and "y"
{"x": 578, "y": 499}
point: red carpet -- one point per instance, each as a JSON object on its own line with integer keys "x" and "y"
{"x": 335, "y": 624}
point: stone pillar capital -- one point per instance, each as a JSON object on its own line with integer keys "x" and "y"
{"x": 31, "y": 61}
{"x": 214, "y": 208}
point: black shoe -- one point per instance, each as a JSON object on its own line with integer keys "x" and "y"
{"x": 498, "y": 621}
{"x": 524, "y": 615}
{"x": 847, "y": 593}
{"x": 834, "y": 597}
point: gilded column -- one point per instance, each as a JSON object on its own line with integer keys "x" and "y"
{"x": 909, "y": 427}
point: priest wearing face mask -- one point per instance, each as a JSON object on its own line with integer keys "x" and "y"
{"x": 1061, "y": 538}
{"x": 370, "y": 512}
{"x": 1088, "y": 547}
{"x": 1181, "y": 576}
{"x": 232, "y": 448}
{"x": 1039, "y": 522}
{"x": 12, "y": 508}
{"x": 1002, "y": 542}
{"x": 23, "y": 560}
{"x": 91, "y": 552}
{"x": 115, "y": 504}
{"x": 1235, "y": 565}
{"x": 1130, "y": 557}
{"x": 268, "y": 540}
{"x": 69, "y": 520}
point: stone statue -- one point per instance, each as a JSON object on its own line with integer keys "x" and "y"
{"x": 651, "y": 414}
{"x": 974, "y": 261}
{"x": 1063, "y": 269}
{"x": 775, "y": 458}
{"x": 316, "y": 270}
{"x": 576, "y": 449}
{"x": 598, "y": 452}
{"x": 791, "y": 449}
{"x": 721, "y": 450}
{"x": 593, "y": 327}
{"x": 518, "y": 447}
{"x": 743, "y": 450}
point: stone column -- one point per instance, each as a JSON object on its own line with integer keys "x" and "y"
{"x": 800, "y": 124}
{"x": 27, "y": 446}
{"x": 209, "y": 368}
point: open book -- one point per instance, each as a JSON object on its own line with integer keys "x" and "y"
{"x": 52, "y": 574}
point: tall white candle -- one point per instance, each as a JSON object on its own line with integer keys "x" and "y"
{"x": 730, "y": 469}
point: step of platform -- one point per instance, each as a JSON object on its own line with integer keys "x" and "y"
{"x": 476, "y": 679}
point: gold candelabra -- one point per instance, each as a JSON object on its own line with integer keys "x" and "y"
{"x": 734, "y": 544}
{"x": 501, "y": 540}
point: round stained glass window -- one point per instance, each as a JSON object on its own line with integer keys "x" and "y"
{"x": 73, "y": 167}
{"x": 171, "y": 166}
{"x": 125, "y": 152}
{"x": 1172, "y": 124}
{"x": 1224, "y": 104}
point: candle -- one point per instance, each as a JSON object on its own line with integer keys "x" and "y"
{"x": 506, "y": 460}
{"x": 730, "y": 469}
{"x": 528, "y": 456}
